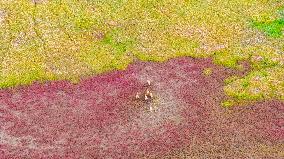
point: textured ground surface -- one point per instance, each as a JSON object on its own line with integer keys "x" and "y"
{"x": 100, "y": 117}
{"x": 67, "y": 39}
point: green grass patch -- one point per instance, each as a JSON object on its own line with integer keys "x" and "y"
{"x": 272, "y": 29}
{"x": 262, "y": 84}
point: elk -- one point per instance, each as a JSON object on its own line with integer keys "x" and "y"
{"x": 148, "y": 82}
{"x": 137, "y": 96}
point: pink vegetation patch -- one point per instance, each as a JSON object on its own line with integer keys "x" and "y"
{"x": 107, "y": 116}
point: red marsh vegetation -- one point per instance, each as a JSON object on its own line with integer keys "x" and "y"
{"x": 107, "y": 116}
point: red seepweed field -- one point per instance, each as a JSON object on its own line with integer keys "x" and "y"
{"x": 107, "y": 116}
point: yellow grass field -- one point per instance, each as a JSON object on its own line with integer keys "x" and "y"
{"x": 66, "y": 39}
